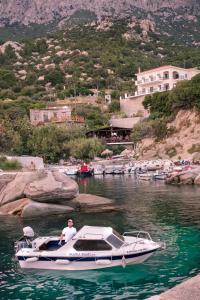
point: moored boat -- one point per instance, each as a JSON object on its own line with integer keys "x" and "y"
{"x": 85, "y": 171}
{"x": 92, "y": 247}
{"x": 145, "y": 176}
{"x": 160, "y": 175}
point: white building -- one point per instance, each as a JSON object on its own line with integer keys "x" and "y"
{"x": 148, "y": 82}
{"x": 162, "y": 79}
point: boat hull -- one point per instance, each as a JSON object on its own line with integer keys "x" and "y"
{"x": 85, "y": 263}
{"x": 85, "y": 173}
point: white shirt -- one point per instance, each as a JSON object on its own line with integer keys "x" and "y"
{"x": 68, "y": 232}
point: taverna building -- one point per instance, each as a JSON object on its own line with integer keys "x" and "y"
{"x": 160, "y": 79}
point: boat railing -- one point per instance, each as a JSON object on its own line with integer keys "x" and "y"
{"x": 138, "y": 234}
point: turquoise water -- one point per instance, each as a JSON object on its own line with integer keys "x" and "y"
{"x": 169, "y": 213}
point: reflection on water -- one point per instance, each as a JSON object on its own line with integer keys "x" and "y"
{"x": 169, "y": 213}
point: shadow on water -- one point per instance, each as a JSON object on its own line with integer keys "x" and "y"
{"x": 169, "y": 213}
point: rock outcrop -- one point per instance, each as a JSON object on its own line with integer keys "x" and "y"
{"x": 42, "y": 12}
{"x": 53, "y": 188}
{"x": 93, "y": 203}
{"x": 42, "y": 193}
{"x": 183, "y": 143}
{"x": 14, "y": 207}
{"x": 15, "y": 189}
{"x": 36, "y": 209}
{"x": 185, "y": 177}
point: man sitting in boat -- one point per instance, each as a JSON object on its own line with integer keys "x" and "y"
{"x": 68, "y": 232}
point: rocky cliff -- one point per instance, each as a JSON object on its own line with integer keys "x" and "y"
{"x": 45, "y": 11}
{"x": 182, "y": 144}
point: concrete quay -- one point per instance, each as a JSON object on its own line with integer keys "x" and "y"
{"x": 187, "y": 290}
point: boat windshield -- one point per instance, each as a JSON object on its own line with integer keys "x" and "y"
{"x": 118, "y": 235}
{"x": 115, "y": 239}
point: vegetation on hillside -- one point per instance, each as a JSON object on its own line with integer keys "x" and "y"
{"x": 82, "y": 60}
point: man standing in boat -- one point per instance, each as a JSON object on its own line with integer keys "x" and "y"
{"x": 68, "y": 232}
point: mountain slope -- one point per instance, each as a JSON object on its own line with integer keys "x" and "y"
{"x": 45, "y": 11}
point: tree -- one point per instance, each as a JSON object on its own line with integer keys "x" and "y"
{"x": 10, "y": 54}
{"x": 114, "y": 106}
{"x": 44, "y": 142}
{"x": 55, "y": 77}
{"x": 84, "y": 148}
{"x": 7, "y": 78}
{"x": 41, "y": 46}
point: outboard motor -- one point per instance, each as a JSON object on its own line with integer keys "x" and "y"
{"x": 25, "y": 241}
{"x": 28, "y": 232}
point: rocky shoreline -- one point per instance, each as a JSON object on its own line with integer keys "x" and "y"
{"x": 41, "y": 193}
{"x": 189, "y": 177}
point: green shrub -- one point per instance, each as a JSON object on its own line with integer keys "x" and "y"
{"x": 8, "y": 165}
{"x": 114, "y": 106}
{"x": 171, "y": 152}
{"x": 194, "y": 148}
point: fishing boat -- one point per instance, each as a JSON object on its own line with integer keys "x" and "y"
{"x": 92, "y": 247}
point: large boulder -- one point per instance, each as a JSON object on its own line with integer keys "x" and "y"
{"x": 173, "y": 179}
{"x": 36, "y": 209}
{"x": 5, "y": 178}
{"x": 93, "y": 203}
{"x": 53, "y": 188}
{"x": 15, "y": 207}
{"x": 15, "y": 189}
{"x": 197, "y": 180}
{"x": 187, "y": 178}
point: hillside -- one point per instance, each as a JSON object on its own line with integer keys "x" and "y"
{"x": 182, "y": 144}
{"x": 102, "y": 55}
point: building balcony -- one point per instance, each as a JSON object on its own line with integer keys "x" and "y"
{"x": 148, "y": 81}
{"x": 155, "y": 90}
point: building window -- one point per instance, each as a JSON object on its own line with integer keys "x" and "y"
{"x": 46, "y": 119}
{"x": 166, "y": 75}
{"x": 166, "y": 87}
{"x": 92, "y": 245}
{"x": 175, "y": 75}
{"x": 143, "y": 91}
{"x": 151, "y": 89}
{"x": 186, "y": 76}
{"x": 151, "y": 78}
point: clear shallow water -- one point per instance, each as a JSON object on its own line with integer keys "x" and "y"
{"x": 169, "y": 213}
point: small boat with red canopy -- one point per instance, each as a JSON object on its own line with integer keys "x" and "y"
{"x": 85, "y": 171}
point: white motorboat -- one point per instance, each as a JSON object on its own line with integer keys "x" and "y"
{"x": 91, "y": 248}
{"x": 98, "y": 170}
{"x": 71, "y": 171}
{"x": 160, "y": 175}
{"x": 145, "y": 176}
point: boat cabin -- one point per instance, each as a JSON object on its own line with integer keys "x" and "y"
{"x": 94, "y": 238}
